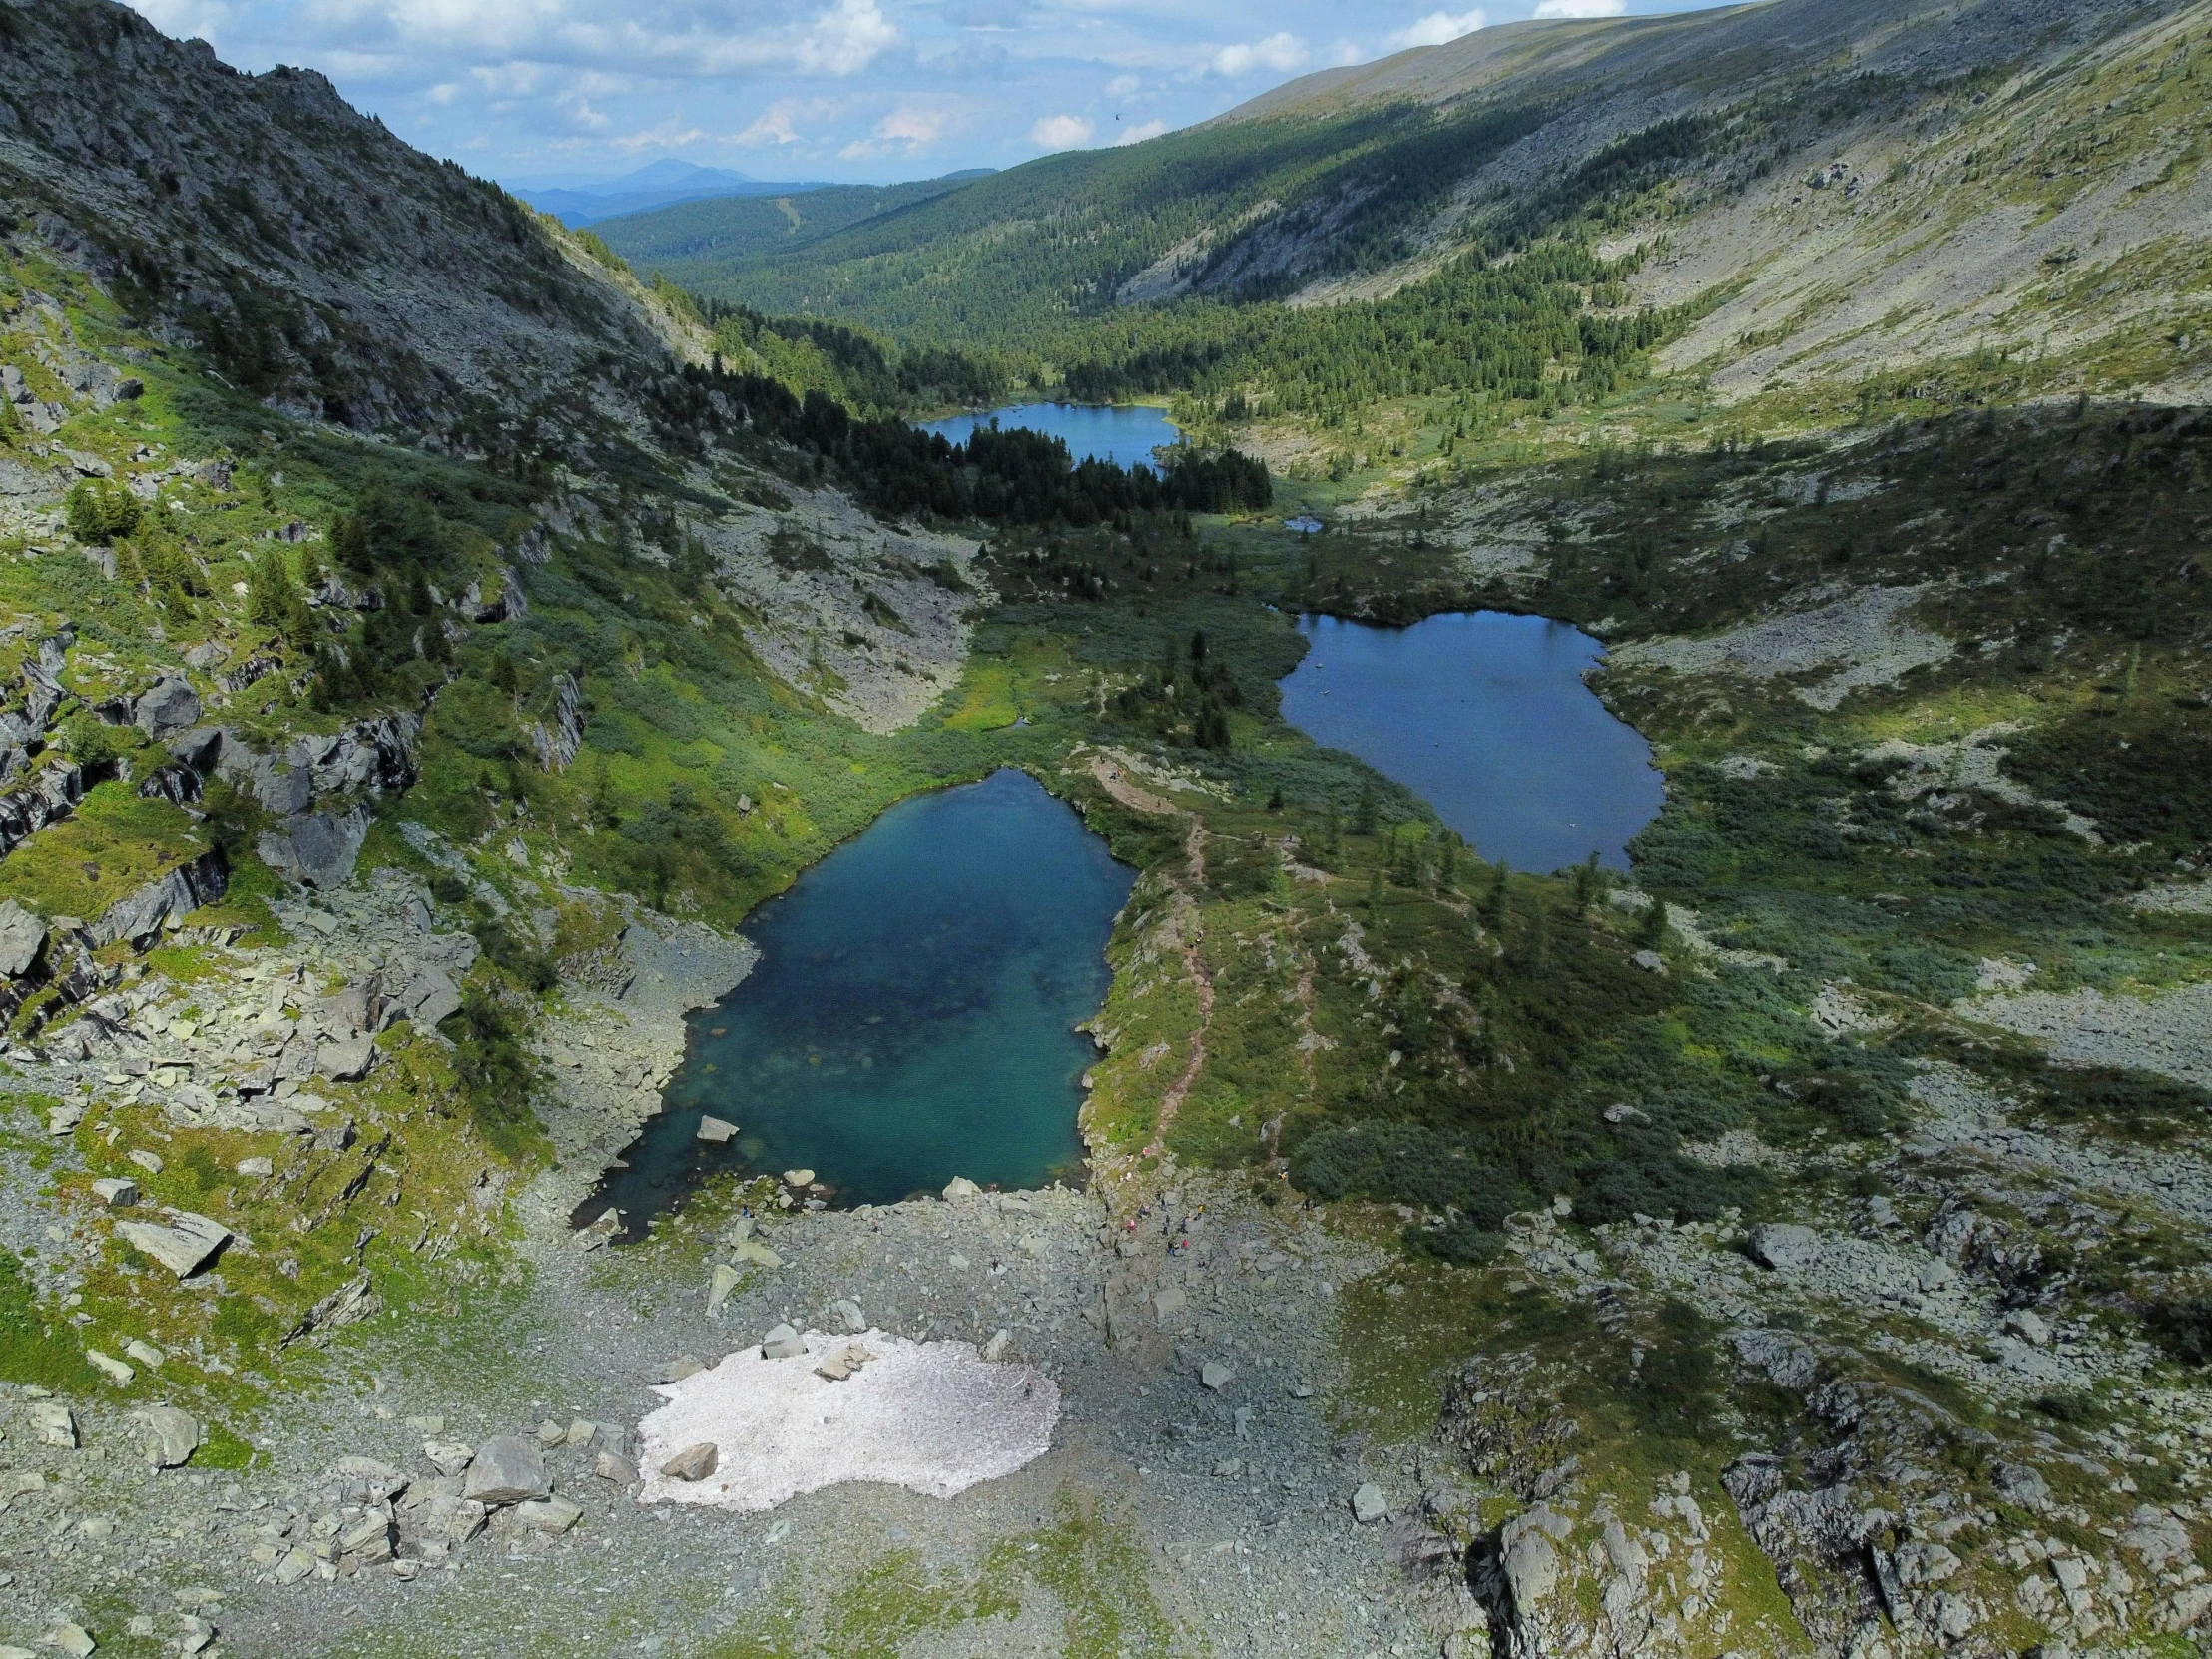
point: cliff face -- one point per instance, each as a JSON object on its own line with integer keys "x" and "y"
{"x": 313, "y": 258}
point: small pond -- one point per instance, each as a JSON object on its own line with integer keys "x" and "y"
{"x": 1486, "y": 717}
{"x": 1123, "y": 434}
{"x": 913, "y": 1014}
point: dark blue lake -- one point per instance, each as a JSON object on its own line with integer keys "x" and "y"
{"x": 1486, "y": 717}
{"x": 1124, "y": 434}
{"x": 913, "y": 1014}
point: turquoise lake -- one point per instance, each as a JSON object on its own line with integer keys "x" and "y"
{"x": 1486, "y": 715}
{"x": 1124, "y": 434}
{"x": 913, "y": 1014}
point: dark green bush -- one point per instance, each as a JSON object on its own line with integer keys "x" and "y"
{"x": 99, "y": 510}
{"x": 2183, "y": 1329}
{"x": 496, "y": 1074}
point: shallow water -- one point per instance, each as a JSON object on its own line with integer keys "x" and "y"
{"x": 912, "y": 1016}
{"x": 1123, "y": 434}
{"x": 1486, "y": 717}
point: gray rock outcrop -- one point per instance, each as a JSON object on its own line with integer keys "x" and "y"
{"x": 316, "y": 849}
{"x": 169, "y": 708}
{"x": 141, "y": 918}
{"x": 22, "y": 938}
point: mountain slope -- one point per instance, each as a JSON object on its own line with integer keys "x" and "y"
{"x": 314, "y": 259}
{"x": 1692, "y": 137}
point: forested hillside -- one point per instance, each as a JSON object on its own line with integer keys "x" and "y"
{"x": 1361, "y": 235}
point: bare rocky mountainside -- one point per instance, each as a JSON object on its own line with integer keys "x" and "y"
{"x": 425, "y": 639}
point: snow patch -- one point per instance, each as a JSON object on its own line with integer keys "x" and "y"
{"x": 935, "y": 1417}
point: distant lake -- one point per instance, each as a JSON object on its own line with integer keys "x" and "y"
{"x": 1486, "y": 717}
{"x": 1125, "y": 435}
{"x": 913, "y": 1013}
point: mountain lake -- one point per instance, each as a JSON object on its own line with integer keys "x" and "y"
{"x": 1125, "y": 435}
{"x": 1486, "y": 715}
{"x": 912, "y": 1015}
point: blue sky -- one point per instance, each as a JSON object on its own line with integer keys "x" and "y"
{"x": 859, "y": 89}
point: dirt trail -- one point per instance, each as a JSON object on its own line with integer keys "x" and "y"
{"x": 1190, "y": 931}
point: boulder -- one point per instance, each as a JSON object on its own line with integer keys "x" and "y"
{"x": 714, "y": 1131}
{"x": 2029, "y": 1326}
{"x": 799, "y": 1178}
{"x": 71, "y": 1639}
{"x": 449, "y": 1457}
{"x": 1001, "y": 1340}
{"x": 1784, "y": 1245}
{"x": 1369, "y": 1506}
{"x": 345, "y": 1059}
{"x": 22, "y": 938}
{"x": 117, "y": 1192}
{"x": 1531, "y": 1569}
{"x": 55, "y": 1424}
{"x": 2158, "y": 1537}
{"x": 169, "y": 708}
{"x": 615, "y": 1470}
{"x": 548, "y": 1514}
{"x": 296, "y": 1565}
{"x": 782, "y": 1343}
{"x": 371, "y": 1540}
{"x": 430, "y": 998}
{"x": 506, "y": 1469}
{"x": 1167, "y": 1301}
{"x": 2018, "y": 1483}
{"x": 1215, "y": 1376}
{"x": 185, "y": 1246}
{"x": 694, "y": 1462}
{"x": 108, "y": 1366}
{"x": 850, "y": 1311}
{"x": 726, "y": 1279}
{"x": 960, "y": 1187}
{"x": 751, "y": 1250}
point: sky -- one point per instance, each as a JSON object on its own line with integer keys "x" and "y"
{"x": 867, "y": 91}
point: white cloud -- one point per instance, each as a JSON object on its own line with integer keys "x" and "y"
{"x": 846, "y": 41}
{"x": 1121, "y": 86}
{"x": 774, "y": 126}
{"x": 1137, "y": 135}
{"x": 670, "y": 133}
{"x": 1061, "y": 132}
{"x": 1437, "y": 28}
{"x": 911, "y": 125}
{"x": 1280, "y": 53}
{"x": 1581, "y": 8}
